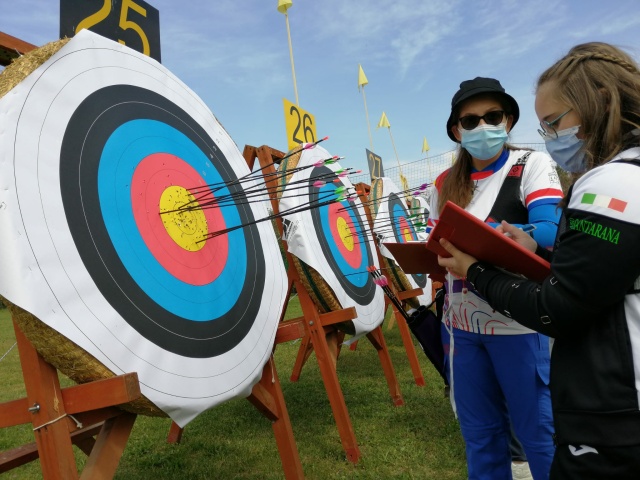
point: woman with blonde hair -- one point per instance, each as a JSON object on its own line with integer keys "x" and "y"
{"x": 498, "y": 369}
{"x": 588, "y": 104}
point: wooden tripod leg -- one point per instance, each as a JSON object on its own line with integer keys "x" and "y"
{"x": 43, "y": 394}
{"x": 175, "y": 433}
{"x": 304, "y": 352}
{"x": 410, "y": 348}
{"x": 267, "y": 397}
{"x": 327, "y": 364}
{"x": 377, "y": 340}
{"x": 106, "y": 453}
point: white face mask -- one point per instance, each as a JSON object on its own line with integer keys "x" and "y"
{"x": 484, "y": 141}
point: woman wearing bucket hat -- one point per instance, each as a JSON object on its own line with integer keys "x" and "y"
{"x": 499, "y": 370}
{"x": 588, "y": 104}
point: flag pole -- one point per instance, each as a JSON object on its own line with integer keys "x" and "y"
{"x": 425, "y": 150}
{"x": 384, "y": 122}
{"x": 283, "y": 6}
{"x": 362, "y": 81}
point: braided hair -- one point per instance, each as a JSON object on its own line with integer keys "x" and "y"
{"x": 601, "y": 83}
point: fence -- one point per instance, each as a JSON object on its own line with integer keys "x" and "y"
{"x": 425, "y": 170}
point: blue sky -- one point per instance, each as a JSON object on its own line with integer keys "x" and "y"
{"x": 234, "y": 54}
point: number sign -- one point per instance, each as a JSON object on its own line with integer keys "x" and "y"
{"x": 300, "y": 125}
{"x": 375, "y": 164}
{"x": 133, "y": 23}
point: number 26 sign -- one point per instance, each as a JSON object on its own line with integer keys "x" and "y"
{"x": 133, "y": 23}
{"x": 300, "y": 125}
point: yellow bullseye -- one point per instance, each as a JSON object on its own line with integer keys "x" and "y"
{"x": 407, "y": 235}
{"x": 345, "y": 234}
{"x": 185, "y": 227}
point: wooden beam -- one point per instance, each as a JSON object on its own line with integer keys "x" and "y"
{"x": 12, "y": 47}
{"x": 101, "y": 393}
{"x": 14, "y": 413}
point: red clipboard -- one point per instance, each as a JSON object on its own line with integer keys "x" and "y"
{"x": 414, "y": 257}
{"x": 473, "y": 236}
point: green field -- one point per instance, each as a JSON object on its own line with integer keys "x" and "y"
{"x": 420, "y": 440}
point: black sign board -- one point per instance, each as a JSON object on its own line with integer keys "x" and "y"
{"x": 133, "y": 23}
{"x": 375, "y": 164}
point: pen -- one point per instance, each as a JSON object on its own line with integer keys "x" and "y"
{"x": 525, "y": 228}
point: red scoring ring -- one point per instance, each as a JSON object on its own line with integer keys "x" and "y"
{"x": 353, "y": 257}
{"x": 404, "y": 228}
{"x": 153, "y": 175}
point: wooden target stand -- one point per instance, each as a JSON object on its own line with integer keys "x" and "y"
{"x": 320, "y": 332}
{"x": 405, "y": 333}
{"x": 49, "y": 407}
{"x": 267, "y": 397}
{"x": 82, "y": 415}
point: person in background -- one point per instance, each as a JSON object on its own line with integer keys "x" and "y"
{"x": 588, "y": 104}
{"x": 499, "y": 369}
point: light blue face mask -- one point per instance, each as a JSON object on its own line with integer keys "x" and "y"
{"x": 484, "y": 141}
{"x": 567, "y": 150}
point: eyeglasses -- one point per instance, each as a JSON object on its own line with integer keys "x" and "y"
{"x": 469, "y": 122}
{"x": 548, "y": 130}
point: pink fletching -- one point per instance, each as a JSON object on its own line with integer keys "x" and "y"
{"x": 319, "y": 183}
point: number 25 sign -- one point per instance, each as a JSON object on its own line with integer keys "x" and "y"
{"x": 133, "y": 23}
{"x": 300, "y": 125}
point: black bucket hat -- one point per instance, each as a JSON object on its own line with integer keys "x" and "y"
{"x": 471, "y": 88}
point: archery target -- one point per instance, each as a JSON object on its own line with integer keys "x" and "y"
{"x": 420, "y": 212}
{"x": 393, "y": 223}
{"x": 333, "y": 237}
{"x": 117, "y": 166}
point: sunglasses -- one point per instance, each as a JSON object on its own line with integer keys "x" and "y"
{"x": 494, "y": 117}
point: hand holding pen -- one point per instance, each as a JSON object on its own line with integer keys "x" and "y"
{"x": 519, "y": 235}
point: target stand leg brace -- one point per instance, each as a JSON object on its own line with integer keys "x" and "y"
{"x": 405, "y": 333}
{"x": 267, "y": 397}
{"x": 319, "y": 331}
{"x": 64, "y": 417}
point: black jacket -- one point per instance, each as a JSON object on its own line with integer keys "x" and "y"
{"x": 590, "y": 304}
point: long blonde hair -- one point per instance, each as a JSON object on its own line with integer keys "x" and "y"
{"x": 601, "y": 83}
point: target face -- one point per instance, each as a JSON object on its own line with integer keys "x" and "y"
{"x": 342, "y": 237}
{"x": 333, "y": 236}
{"x": 403, "y": 230}
{"x": 394, "y": 223}
{"x": 117, "y": 169}
{"x": 143, "y": 155}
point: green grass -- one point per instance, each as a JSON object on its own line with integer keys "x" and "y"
{"x": 420, "y": 440}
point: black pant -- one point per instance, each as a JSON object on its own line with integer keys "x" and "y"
{"x": 516, "y": 449}
{"x": 595, "y": 462}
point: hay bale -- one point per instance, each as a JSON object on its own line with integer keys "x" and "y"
{"x": 72, "y": 360}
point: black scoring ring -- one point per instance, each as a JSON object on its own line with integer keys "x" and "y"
{"x": 89, "y": 128}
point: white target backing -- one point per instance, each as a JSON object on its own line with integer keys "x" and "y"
{"x": 395, "y": 224}
{"x": 100, "y": 147}
{"x": 333, "y": 237}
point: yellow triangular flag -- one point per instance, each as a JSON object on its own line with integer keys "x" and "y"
{"x": 362, "y": 78}
{"x": 284, "y": 5}
{"x": 384, "y": 121}
{"x": 425, "y": 145}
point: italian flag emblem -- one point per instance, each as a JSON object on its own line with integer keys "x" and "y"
{"x": 604, "y": 201}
